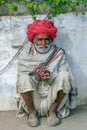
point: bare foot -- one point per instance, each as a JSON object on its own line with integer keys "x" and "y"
{"x": 53, "y": 108}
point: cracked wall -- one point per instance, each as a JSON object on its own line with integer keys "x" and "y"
{"x": 72, "y": 36}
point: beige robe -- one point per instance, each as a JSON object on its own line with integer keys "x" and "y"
{"x": 44, "y": 92}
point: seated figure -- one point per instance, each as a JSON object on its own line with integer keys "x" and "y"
{"x": 44, "y": 76}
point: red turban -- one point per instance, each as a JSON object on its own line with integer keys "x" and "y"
{"x": 40, "y": 27}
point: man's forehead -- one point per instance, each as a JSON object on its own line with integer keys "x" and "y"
{"x": 41, "y": 36}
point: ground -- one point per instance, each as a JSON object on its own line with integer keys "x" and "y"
{"x": 76, "y": 121}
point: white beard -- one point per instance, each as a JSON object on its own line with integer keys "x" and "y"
{"x": 43, "y": 49}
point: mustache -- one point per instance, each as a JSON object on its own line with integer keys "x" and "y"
{"x": 44, "y": 46}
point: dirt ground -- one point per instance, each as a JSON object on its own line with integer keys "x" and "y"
{"x": 76, "y": 121}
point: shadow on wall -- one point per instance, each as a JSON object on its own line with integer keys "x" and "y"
{"x": 63, "y": 40}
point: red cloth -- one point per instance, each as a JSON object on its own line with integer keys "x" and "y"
{"x": 41, "y": 27}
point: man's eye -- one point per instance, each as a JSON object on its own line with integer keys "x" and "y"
{"x": 40, "y": 39}
{"x": 47, "y": 39}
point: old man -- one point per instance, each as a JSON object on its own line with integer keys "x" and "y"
{"x": 44, "y": 76}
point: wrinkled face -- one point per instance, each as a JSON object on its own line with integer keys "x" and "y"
{"x": 42, "y": 43}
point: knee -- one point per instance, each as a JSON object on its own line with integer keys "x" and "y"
{"x": 64, "y": 75}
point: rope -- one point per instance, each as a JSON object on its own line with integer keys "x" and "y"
{"x": 11, "y": 61}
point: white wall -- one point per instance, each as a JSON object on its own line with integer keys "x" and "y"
{"x": 72, "y": 36}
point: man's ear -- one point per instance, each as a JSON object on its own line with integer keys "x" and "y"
{"x": 51, "y": 39}
{"x": 34, "y": 40}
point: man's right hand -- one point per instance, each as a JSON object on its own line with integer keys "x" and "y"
{"x": 42, "y": 74}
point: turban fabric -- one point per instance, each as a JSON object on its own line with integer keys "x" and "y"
{"x": 41, "y": 27}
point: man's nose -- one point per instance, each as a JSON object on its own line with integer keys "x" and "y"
{"x": 43, "y": 42}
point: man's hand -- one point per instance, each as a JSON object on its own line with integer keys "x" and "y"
{"x": 42, "y": 73}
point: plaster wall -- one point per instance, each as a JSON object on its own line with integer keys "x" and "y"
{"x": 72, "y": 36}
